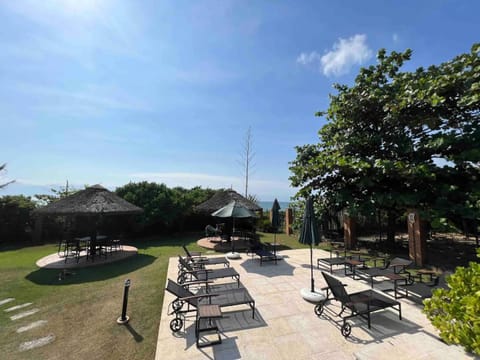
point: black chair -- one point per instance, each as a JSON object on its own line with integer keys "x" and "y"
{"x": 71, "y": 249}
{"x": 186, "y": 301}
{"x": 202, "y": 261}
{"x": 333, "y": 261}
{"x": 361, "y": 303}
{"x": 255, "y": 247}
{"x": 188, "y": 273}
{"x": 395, "y": 266}
{"x": 419, "y": 291}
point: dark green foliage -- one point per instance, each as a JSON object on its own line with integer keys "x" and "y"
{"x": 396, "y": 140}
{"x": 456, "y": 311}
{"x": 15, "y": 221}
{"x": 165, "y": 209}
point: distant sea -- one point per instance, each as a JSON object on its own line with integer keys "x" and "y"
{"x": 267, "y": 205}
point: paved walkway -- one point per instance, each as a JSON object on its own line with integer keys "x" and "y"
{"x": 285, "y": 326}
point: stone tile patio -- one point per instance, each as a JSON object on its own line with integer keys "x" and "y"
{"x": 285, "y": 326}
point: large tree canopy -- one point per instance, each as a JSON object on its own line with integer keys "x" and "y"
{"x": 398, "y": 139}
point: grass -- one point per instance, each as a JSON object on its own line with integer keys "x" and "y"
{"x": 81, "y": 310}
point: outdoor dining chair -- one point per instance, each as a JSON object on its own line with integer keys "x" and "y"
{"x": 361, "y": 303}
{"x": 189, "y": 273}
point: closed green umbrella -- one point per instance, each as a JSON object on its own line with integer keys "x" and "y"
{"x": 309, "y": 234}
{"x": 275, "y": 222}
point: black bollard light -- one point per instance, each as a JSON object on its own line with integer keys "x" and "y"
{"x": 124, "y": 318}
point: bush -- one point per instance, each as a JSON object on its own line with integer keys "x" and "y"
{"x": 165, "y": 210}
{"x": 15, "y": 218}
{"x": 456, "y": 311}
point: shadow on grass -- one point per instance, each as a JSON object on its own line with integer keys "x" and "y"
{"x": 90, "y": 274}
{"x": 136, "y": 336}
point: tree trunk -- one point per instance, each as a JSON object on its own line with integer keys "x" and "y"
{"x": 391, "y": 227}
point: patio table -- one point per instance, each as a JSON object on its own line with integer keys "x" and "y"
{"x": 351, "y": 267}
{"x": 91, "y": 244}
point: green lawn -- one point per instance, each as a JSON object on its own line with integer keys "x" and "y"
{"x": 81, "y": 310}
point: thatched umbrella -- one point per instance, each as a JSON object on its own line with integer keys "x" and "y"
{"x": 94, "y": 201}
{"x": 223, "y": 198}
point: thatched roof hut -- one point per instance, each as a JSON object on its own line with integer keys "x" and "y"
{"x": 94, "y": 200}
{"x": 224, "y": 197}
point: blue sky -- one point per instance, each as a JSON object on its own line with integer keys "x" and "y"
{"x": 116, "y": 91}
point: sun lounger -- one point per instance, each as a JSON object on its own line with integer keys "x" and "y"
{"x": 395, "y": 266}
{"x": 265, "y": 255}
{"x": 332, "y": 261}
{"x": 258, "y": 249}
{"x": 419, "y": 291}
{"x": 189, "y": 273}
{"x": 187, "y": 301}
{"x": 361, "y": 303}
{"x": 202, "y": 261}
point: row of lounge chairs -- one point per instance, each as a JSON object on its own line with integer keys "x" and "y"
{"x": 363, "y": 303}
{"x": 196, "y": 290}
{"x": 395, "y": 270}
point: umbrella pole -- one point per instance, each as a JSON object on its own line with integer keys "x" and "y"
{"x": 231, "y": 238}
{"x": 275, "y": 242}
{"x": 311, "y": 267}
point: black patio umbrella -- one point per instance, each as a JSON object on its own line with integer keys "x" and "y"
{"x": 234, "y": 210}
{"x": 275, "y": 220}
{"x": 309, "y": 234}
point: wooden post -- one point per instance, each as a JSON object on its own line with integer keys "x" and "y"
{"x": 349, "y": 231}
{"x": 417, "y": 238}
{"x": 288, "y": 221}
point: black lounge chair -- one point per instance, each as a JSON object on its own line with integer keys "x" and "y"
{"x": 187, "y": 301}
{"x": 189, "y": 273}
{"x": 258, "y": 249}
{"x": 266, "y": 255}
{"x": 395, "y": 266}
{"x": 361, "y": 303}
{"x": 419, "y": 291}
{"x": 202, "y": 261}
{"x": 333, "y": 261}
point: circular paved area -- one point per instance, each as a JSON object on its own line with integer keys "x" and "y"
{"x": 54, "y": 261}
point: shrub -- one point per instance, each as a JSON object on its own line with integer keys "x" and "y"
{"x": 15, "y": 217}
{"x": 456, "y": 311}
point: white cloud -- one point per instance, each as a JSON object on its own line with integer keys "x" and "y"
{"x": 344, "y": 54}
{"x": 306, "y": 59}
{"x": 395, "y": 37}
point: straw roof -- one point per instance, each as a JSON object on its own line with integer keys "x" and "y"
{"x": 224, "y": 197}
{"x": 91, "y": 201}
